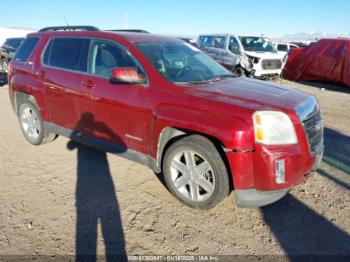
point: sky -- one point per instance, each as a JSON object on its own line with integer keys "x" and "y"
{"x": 185, "y": 17}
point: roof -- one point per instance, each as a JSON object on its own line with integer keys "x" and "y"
{"x": 129, "y": 36}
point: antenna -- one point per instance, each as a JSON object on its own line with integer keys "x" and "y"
{"x": 125, "y": 20}
{"x": 65, "y": 19}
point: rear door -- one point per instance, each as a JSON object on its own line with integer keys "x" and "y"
{"x": 63, "y": 71}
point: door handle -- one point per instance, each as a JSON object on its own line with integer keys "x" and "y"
{"x": 88, "y": 84}
{"x": 42, "y": 74}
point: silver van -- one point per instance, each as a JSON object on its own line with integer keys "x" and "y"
{"x": 254, "y": 56}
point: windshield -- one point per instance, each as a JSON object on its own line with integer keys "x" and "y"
{"x": 257, "y": 44}
{"x": 182, "y": 63}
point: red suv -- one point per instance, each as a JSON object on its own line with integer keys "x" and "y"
{"x": 161, "y": 102}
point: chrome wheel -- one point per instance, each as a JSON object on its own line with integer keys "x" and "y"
{"x": 30, "y": 123}
{"x": 192, "y": 176}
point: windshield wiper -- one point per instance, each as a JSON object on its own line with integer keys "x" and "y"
{"x": 207, "y": 81}
{"x": 221, "y": 77}
{"x": 194, "y": 82}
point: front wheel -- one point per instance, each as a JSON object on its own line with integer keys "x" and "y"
{"x": 32, "y": 126}
{"x": 239, "y": 71}
{"x": 195, "y": 173}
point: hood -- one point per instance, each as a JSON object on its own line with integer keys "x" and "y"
{"x": 251, "y": 94}
{"x": 264, "y": 55}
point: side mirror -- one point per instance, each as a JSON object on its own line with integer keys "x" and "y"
{"x": 127, "y": 75}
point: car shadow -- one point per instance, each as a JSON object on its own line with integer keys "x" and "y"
{"x": 96, "y": 199}
{"x": 337, "y": 156}
{"x": 302, "y": 232}
{"x": 326, "y": 85}
{"x": 337, "y": 150}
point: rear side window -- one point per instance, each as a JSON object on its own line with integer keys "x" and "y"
{"x": 205, "y": 41}
{"x": 25, "y": 49}
{"x": 220, "y": 42}
{"x": 67, "y": 53}
{"x": 282, "y": 48}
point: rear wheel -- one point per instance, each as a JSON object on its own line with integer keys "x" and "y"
{"x": 32, "y": 126}
{"x": 195, "y": 172}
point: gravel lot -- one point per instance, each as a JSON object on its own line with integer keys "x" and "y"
{"x": 62, "y": 198}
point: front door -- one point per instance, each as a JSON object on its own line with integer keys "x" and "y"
{"x": 115, "y": 112}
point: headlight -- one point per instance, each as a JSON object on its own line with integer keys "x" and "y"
{"x": 273, "y": 128}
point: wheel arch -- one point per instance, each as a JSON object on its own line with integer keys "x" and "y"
{"x": 169, "y": 135}
{"x": 21, "y": 97}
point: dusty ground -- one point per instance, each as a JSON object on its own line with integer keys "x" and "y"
{"x": 52, "y": 201}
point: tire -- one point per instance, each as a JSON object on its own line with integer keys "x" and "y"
{"x": 239, "y": 71}
{"x": 202, "y": 184}
{"x": 32, "y": 126}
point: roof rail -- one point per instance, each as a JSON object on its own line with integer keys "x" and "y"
{"x": 129, "y": 30}
{"x": 69, "y": 28}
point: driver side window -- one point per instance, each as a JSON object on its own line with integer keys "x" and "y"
{"x": 105, "y": 56}
{"x": 234, "y": 46}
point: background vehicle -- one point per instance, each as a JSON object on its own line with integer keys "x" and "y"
{"x": 163, "y": 103}
{"x": 284, "y": 47}
{"x": 7, "y": 52}
{"x": 189, "y": 40}
{"x": 245, "y": 55}
{"x": 326, "y": 60}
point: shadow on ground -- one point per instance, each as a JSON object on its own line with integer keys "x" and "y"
{"x": 327, "y": 85}
{"x": 301, "y": 231}
{"x": 337, "y": 156}
{"x": 96, "y": 200}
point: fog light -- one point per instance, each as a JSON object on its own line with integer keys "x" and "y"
{"x": 280, "y": 171}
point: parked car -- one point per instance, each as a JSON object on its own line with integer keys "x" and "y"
{"x": 326, "y": 60}
{"x": 245, "y": 55}
{"x": 189, "y": 40}
{"x": 163, "y": 103}
{"x": 7, "y": 52}
{"x": 284, "y": 47}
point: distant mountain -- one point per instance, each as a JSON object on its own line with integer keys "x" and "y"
{"x": 313, "y": 36}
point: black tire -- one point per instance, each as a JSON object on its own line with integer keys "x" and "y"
{"x": 239, "y": 71}
{"x": 202, "y": 148}
{"x": 38, "y": 135}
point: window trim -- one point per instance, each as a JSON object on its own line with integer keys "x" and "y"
{"x": 147, "y": 84}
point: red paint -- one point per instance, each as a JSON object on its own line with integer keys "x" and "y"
{"x": 326, "y": 60}
{"x": 222, "y": 110}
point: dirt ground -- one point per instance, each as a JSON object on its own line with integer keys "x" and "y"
{"x": 62, "y": 198}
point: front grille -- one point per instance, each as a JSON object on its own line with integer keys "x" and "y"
{"x": 271, "y": 64}
{"x": 313, "y": 127}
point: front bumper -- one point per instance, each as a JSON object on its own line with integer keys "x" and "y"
{"x": 265, "y": 73}
{"x": 254, "y": 174}
{"x": 255, "y": 198}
